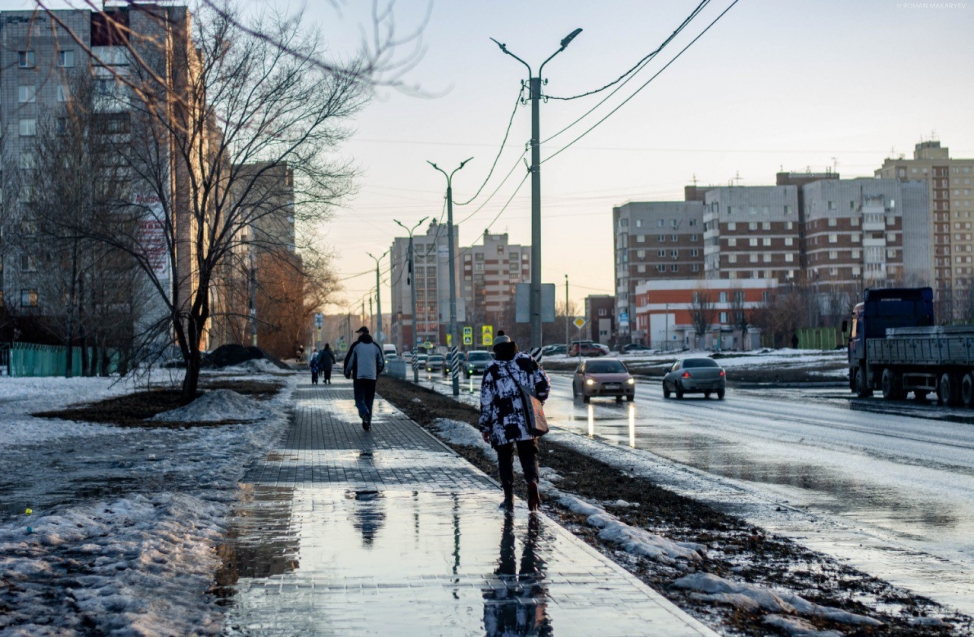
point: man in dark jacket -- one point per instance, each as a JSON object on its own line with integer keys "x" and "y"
{"x": 363, "y": 364}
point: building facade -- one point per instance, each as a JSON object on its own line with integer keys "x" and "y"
{"x": 600, "y": 314}
{"x": 491, "y": 272}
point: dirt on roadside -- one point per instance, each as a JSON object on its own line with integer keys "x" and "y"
{"x": 735, "y": 550}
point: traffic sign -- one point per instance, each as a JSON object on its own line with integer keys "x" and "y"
{"x": 428, "y": 345}
{"x": 579, "y": 322}
{"x": 342, "y": 346}
{"x": 468, "y": 336}
{"x": 449, "y": 340}
{"x": 487, "y": 334}
{"x": 319, "y": 320}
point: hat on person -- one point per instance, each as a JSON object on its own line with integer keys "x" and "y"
{"x": 501, "y": 338}
{"x": 362, "y": 330}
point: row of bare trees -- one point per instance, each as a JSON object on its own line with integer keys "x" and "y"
{"x": 155, "y": 185}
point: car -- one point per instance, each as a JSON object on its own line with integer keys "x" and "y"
{"x": 588, "y": 348}
{"x": 603, "y": 377}
{"x": 407, "y": 356}
{"x": 554, "y": 350}
{"x": 435, "y": 363}
{"x": 447, "y": 362}
{"x": 477, "y": 362}
{"x": 421, "y": 361}
{"x": 635, "y": 347}
{"x": 695, "y": 376}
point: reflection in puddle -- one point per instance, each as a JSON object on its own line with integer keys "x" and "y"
{"x": 591, "y": 421}
{"x": 517, "y": 602}
{"x": 632, "y": 426}
{"x": 367, "y": 514}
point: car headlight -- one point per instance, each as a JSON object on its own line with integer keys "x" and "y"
{"x": 589, "y": 381}
{"x": 631, "y": 381}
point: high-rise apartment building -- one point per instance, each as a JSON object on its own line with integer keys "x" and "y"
{"x": 752, "y": 233}
{"x": 653, "y": 240}
{"x": 950, "y": 185}
{"x": 490, "y": 274}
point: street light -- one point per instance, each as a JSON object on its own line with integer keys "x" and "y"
{"x": 412, "y": 292}
{"x": 535, "y": 89}
{"x": 454, "y": 372}
{"x": 379, "y": 336}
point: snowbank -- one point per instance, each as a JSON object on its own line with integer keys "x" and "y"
{"x": 216, "y": 406}
{"x": 708, "y": 587}
{"x": 465, "y": 435}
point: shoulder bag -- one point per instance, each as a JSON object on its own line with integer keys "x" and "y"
{"x": 537, "y": 422}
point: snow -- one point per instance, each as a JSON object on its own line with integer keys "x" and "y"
{"x": 216, "y": 406}
{"x": 784, "y": 358}
{"x": 125, "y": 521}
{"x": 709, "y": 587}
{"x": 797, "y": 626}
{"x": 464, "y": 435}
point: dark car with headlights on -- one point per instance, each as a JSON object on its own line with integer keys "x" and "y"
{"x": 603, "y": 377}
{"x": 477, "y": 362}
{"x": 435, "y": 363}
{"x": 461, "y": 363}
{"x": 695, "y": 376}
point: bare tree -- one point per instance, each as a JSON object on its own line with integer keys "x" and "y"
{"x": 703, "y": 311}
{"x": 740, "y": 315}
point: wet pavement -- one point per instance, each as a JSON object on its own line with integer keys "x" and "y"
{"x": 343, "y": 532}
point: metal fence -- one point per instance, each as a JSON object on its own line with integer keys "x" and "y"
{"x": 30, "y": 359}
{"x": 820, "y": 338}
{"x": 398, "y": 368}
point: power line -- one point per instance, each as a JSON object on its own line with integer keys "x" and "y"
{"x": 638, "y": 66}
{"x": 506, "y": 204}
{"x": 500, "y": 151}
{"x": 644, "y": 85}
{"x": 517, "y": 162}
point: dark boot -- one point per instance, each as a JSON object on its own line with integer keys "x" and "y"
{"x": 534, "y": 498}
{"x": 508, "y": 503}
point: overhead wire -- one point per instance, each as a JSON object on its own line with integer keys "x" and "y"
{"x": 642, "y": 62}
{"x": 644, "y": 85}
{"x": 500, "y": 151}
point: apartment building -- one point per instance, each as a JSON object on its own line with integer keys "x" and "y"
{"x": 601, "y": 319}
{"x": 867, "y": 232}
{"x": 653, "y": 240}
{"x": 950, "y": 184}
{"x": 491, "y": 272}
{"x": 432, "y": 281}
{"x": 752, "y": 233}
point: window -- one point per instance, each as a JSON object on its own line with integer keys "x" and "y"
{"x": 765, "y": 225}
{"x": 65, "y": 59}
{"x": 660, "y": 223}
{"x": 674, "y": 268}
{"x": 695, "y": 268}
{"x": 789, "y": 225}
{"x": 731, "y": 242}
{"x": 789, "y": 241}
{"x": 723, "y": 317}
{"x": 723, "y": 297}
{"x": 661, "y": 253}
{"x": 766, "y": 242}
{"x": 753, "y": 258}
{"x": 62, "y": 93}
{"x": 753, "y": 225}
{"x": 753, "y": 242}
{"x": 732, "y": 258}
{"x": 27, "y": 263}
{"x": 855, "y": 254}
{"x": 833, "y": 222}
{"x": 833, "y": 254}
{"x": 27, "y": 161}
{"x": 661, "y": 238}
{"x": 25, "y": 59}
{"x": 661, "y": 268}
{"x": 641, "y": 254}
{"x": 732, "y": 225}
{"x": 640, "y": 269}
{"x": 27, "y": 94}
{"x": 674, "y": 238}
{"x": 694, "y": 252}
{"x": 500, "y": 249}
{"x": 789, "y": 257}
{"x": 730, "y": 210}
{"x": 674, "y": 253}
{"x": 767, "y": 257}
{"x": 480, "y": 267}
{"x": 833, "y": 238}
{"x": 787, "y": 210}
{"x": 479, "y": 256}
{"x": 640, "y": 238}
{"x": 831, "y": 205}
{"x": 639, "y": 223}
{"x": 693, "y": 237}
{"x": 28, "y": 298}
{"x": 28, "y": 127}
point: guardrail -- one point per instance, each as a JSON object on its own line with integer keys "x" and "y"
{"x": 398, "y": 368}
{"x": 32, "y": 360}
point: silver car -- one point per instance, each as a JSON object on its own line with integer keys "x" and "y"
{"x": 603, "y": 377}
{"x": 477, "y": 362}
{"x": 695, "y": 376}
{"x": 435, "y": 363}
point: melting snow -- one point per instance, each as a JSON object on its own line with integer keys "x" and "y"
{"x": 216, "y": 406}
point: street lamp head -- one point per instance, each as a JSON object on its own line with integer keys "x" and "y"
{"x": 565, "y": 41}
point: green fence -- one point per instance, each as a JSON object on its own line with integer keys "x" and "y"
{"x": 820, "y": 338}
{"x": 29, "y": 359}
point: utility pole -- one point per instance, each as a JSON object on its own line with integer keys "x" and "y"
{"x": 253, "y": 301}
{"x": 411, "y": 281}
{"x": 371, "y": 316}
{"x": 379, "y": 336}
{"x": 568, "y": 338}
{"x": 534, "y": 84}
{"x": 454, "y": 340}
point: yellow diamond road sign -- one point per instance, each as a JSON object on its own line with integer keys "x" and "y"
{"x": 579, "y": 322}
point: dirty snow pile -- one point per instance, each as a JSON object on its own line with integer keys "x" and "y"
{"x": 257, "y": 365}
{"x": 217, "y": 406}
{"x": 631, "y": 539}
{"x": 711, "y": 588}
{"x": 124, "y": 522}
{"x": 465, "y": 435}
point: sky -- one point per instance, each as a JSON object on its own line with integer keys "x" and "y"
{"x": 774, "y": 84}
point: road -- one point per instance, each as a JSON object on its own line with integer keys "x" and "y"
{"x": 888, "y": 491}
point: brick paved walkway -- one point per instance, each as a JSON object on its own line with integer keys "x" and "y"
{"x": 345, "y": 532}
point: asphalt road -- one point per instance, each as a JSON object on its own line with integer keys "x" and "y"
{"x": 886, "y": 488}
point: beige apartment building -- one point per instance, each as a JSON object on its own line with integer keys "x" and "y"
{"x": 950, "y": 184}
{"x": 490, "y": 275}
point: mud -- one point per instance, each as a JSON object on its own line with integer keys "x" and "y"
{"x": 736, "y": 550}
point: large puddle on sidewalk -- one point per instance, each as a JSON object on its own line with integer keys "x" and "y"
{"x": 333, "y": 561}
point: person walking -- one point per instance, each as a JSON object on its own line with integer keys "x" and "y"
{"x": 326, "y": 361}
{"x": 363, "y": 364}
{"x": 503, "y": 421}
{"x": 313, "y": 366}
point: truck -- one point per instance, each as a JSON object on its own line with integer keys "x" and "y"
{"x": 895, "y": 347}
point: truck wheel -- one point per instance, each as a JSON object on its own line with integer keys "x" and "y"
{"x": 967, "y": 389}
{"x": 948, "y": 391}
{"x": 892, "y": 385}
{"x": 862, "y": 386}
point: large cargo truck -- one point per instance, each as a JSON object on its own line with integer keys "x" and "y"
{"x": 895, "y": 348}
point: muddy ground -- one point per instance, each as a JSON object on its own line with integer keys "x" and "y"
{"x": 736, "y": 550}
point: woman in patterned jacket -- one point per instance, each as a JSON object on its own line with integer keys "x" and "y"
{"x": 503, "y": 421}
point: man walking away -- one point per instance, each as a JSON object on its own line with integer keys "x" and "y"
{"x": 363, "y": 364}
{"x": 326, "y": 360}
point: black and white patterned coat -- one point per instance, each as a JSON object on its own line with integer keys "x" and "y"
{"x": 501, "y": 408}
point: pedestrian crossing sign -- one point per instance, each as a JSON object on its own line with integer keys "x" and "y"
{"x": 468, "y": 336}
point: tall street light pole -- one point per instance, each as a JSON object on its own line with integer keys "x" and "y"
{"x": 568, "y": 338}
{"x": 454, "y": 371}
{"x": 411, "y": 280}
{"x": 535, "y": 89}
{"x": 379, "y": 336}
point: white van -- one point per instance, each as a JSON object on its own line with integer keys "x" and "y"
{"x": 390, "y": 348}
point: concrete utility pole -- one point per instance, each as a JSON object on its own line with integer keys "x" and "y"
{"x": 568, "y": 338}
{"x": 379, "y": 336}
{"x": 253, "y": 301}
{"x": 411, "y": 280}
{"x": 534, "y": 84}
{"x": 454, "y": 372}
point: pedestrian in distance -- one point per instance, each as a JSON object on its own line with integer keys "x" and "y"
{"x": 363, "y": 364}
{"x": 326, "y": 361}
{"x": 313, "y": 366}
{"x": 503, "y": 420}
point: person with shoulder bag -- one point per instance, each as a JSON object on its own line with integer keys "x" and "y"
{"x": 363, "y": 364}
{"x": 513, "y": 389}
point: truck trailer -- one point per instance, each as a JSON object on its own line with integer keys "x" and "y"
{"x": 895, "y": 348}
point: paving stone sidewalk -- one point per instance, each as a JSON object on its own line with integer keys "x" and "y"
{"x": 388, "y": 532}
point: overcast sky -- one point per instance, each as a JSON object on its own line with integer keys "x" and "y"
{"x": 774, "y": 84}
